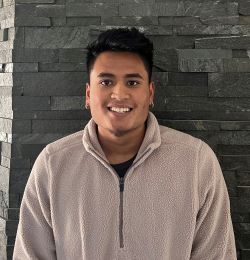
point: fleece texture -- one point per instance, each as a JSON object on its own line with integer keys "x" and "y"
{"x": 175, "y": 204}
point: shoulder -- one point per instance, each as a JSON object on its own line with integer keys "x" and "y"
{"x": 170, "y": 136}
{"x": 69, "y": 142}
{"x": 186, "y": 144}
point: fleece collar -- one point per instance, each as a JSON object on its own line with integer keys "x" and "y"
{"x": 151, "y": 141}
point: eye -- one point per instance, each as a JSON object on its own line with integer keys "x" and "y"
{"x": 106, "y": 82}
{"x": 133, "y": 83}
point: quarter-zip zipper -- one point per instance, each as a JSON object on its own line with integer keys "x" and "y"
{"x": 121, "y": 184}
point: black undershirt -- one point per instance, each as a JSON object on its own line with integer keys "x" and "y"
{"x": 121, "y": 168}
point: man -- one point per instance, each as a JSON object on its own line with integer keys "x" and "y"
{"x": 125, "y": 187}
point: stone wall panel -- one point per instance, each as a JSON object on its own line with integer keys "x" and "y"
{"x": 201, "y": 73}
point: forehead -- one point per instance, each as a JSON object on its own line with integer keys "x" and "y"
{"x": 119, "y": 63}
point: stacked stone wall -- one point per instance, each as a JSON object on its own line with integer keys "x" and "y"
{"x": 202, "y": 76}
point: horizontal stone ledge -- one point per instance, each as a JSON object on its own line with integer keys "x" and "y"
{"x": 19, "y": 178}
{"x": 55, "y": 114}
{"x": 240, "y": 217}
{"x": 51, "y": 10}
{"x": 12, "y": 213}
{"x": 243, "y": 178}
{"x": 200, "y": 65}
{"x": 27, "y": 151}
{"x": 178, "y": 20}
{"x": 15, "y": 163}
{"x": 147, "y": 29}
{"x": 234, "y": 163}
{"x": 91, "y": 9}
{"x": 130, "y": 20}
{"x": 30, "y": 103}
{"x": 32, "y": 21}
{"x": 72, "y": 55}
{"x": 212, "y": 30}
{"x": 201, "y": 115}
{"x": 243, "y": 191}
{"x": 214, "y": 65}
{"x": 67, "y": 103}
{"x": 55, "y": 37}
{"x": 50, "y": 83}
{"x": 83, "y": 21}
{"x": 206, "y": 9}
{"x": 220, "y": 20}
{"x": 34, "y": 55}
{"x": 195, "y": 125}
{"x": 227, "y": 42}
{"x": 233, "y": 149}
{"x": 21, "y": 67}
{"x": 35, "y": 1}
{"x": 183, "y": 79}
{"x": 57, "y": 126}
{"x": 204, "y": 53}
{"x": 36, "y": 139}
{"x": 15, "y": 126}
{"x": 202, "y": 104}
{"x": 165, "y": 42}
{"x": 62, "y": 67}
{"x": 11, "y": 227}
{"x": 180, "y": 91}
{"x": 235, "y": 125}
{"x": 228, "y": 85}
{"x": 15, "y": 200}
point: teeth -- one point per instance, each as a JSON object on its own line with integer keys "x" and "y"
{"x": 120, "y": 109}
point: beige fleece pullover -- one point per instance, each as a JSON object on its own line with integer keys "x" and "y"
{"x": 174, "y": 206}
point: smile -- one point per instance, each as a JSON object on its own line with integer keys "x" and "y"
{"x": 120, "y": 109}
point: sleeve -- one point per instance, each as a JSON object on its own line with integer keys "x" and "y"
{"x": 34, "y": 239}
{"x": 214, "y": 236}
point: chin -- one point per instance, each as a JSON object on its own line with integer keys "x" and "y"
{"x": 119, "y": 132}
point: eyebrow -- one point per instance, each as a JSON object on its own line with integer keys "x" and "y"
{"x": 130, "y": 75}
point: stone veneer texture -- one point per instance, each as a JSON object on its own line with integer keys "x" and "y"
{"x": 202, "y": 76}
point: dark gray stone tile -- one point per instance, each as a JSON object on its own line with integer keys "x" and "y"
{"x": 32, "y": 21}
{"x": 57, "y": 126}
{"x": 31, "y": 103}
{"x": 89, "y": 9}
{"x": 83, "y": 21}
{"x": 51, "y": 10}
{"x": 55, "y": 37}
{"x": 229, "y": 84}
{"x": 130, "y": 20}
{"x": 34, "y": 55}
{"x": 51, "y": 83}
{"x": 225, "y": 42}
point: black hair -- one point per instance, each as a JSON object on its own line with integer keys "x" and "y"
{"x": 121, "y": 40}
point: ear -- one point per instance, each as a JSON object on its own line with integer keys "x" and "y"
{"x": 151, "y": 91}
{"x": 87, "y": 95}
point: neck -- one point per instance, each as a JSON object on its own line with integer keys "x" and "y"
{"x": 119, "y": 149}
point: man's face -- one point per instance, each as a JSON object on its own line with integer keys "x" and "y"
{"x": 119, "y": 93}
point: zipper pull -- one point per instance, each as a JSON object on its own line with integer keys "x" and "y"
{"x": 121, "y": 184}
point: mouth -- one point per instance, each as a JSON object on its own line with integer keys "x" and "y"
{"x": 120, "y": 110}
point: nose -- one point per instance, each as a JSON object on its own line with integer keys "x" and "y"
{"x": 120, "y": 92}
